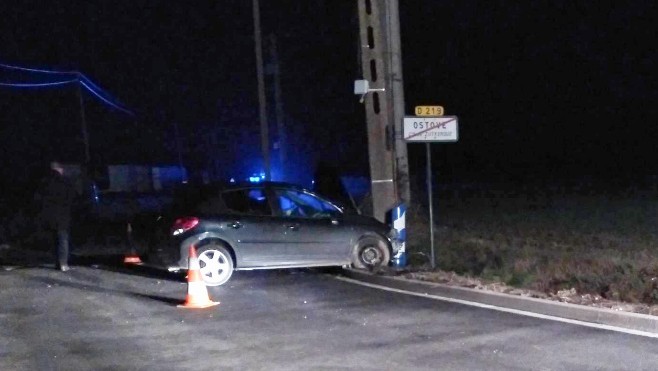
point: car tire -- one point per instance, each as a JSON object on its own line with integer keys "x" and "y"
{"x": 215, "y": 263}
{"x": 371, "y": 253}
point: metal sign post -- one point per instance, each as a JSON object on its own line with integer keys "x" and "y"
{"x": 430, "y": 130}
{"x": 429, "y": 198}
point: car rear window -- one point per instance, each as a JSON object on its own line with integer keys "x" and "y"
{"x": 197, "y": 198}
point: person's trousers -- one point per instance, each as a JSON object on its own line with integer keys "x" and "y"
{"x": 62, "y": 247}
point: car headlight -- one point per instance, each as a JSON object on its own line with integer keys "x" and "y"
{"x": 393, "y": 234}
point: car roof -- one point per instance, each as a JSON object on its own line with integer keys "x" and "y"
{"x": 192, "y": 193}
{"x": 221, "y": 186}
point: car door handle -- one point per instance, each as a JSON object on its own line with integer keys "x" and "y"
{"x": 292, "y": 227}
{"x": 235, "y": 225}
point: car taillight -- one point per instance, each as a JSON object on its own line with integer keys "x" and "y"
{"x": 182, "y": 225}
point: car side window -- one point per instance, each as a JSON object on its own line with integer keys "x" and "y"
{"x": 250, "y": 201}
{"x": 296, "y": 204}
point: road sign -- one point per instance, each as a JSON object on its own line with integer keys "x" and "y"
{"x": 431, "y": 129}
{"x": 428, "y": 111}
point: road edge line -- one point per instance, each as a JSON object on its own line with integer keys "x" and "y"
{"x": 602, "y": 318}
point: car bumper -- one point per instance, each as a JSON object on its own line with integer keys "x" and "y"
{"x": 396, "y": 245}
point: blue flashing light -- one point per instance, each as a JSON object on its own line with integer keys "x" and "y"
{"x": 254, "y": 179}
{"x": 232, "y": 180}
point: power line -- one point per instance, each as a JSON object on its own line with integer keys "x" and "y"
{"x": 77, "y": 73}
{"x": 37, "y": 85}
{"x": 81, "y": 78}
{"x": 38, "y": 70}
{"x": 105, "y": 100}
{"x": 91, "y": 83}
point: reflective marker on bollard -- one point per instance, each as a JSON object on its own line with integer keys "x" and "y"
{"x": 399, "y": 224}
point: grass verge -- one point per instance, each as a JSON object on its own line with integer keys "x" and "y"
{"x": 593, "y": 244}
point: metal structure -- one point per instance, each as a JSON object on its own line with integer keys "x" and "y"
{"x": 443, "y": 129}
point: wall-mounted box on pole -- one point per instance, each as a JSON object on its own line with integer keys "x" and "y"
{"x": 362, "y": 87}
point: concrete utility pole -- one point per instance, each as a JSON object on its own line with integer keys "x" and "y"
{"x": 264, "y": 126}
{"x": 396, "y": 95}
{"x": 83, "y": 123}
{"x": 380, "y": 60}
{"x": 278, "y": 106}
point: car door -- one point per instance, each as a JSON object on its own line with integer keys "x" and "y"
{"x": 252, "y": 227}
{"x": 312, "y": 227}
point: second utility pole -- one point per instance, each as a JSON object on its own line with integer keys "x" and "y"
{"x": 83, "y": 123}
{"x": 264, "y": 127}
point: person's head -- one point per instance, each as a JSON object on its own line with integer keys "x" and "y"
{"x": 57, "y": 167}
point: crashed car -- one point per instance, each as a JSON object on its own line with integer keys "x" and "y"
{"x": 264, "y": 226}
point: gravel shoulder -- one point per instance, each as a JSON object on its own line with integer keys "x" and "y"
{"x": 570, "y": 296}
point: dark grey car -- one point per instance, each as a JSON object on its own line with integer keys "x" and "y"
{"x": 265, "y": 226}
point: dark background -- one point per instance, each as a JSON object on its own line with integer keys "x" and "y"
{"x": 557, "y": 89}
{"x": 544, "y": 90}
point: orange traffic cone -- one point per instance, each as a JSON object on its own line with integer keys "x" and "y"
{"x": 131, "y": 257}
{"x": 197, "y": 292}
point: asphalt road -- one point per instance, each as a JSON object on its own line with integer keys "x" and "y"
{"x": 105, "y": 317}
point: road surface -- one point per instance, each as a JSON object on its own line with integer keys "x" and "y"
{"x": 102, "y": 316}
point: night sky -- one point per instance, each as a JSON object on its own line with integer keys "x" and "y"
{"x": 543, "y": 90}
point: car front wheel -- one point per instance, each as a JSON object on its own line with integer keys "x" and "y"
{"x": 371, "y": 253}
{"x": 216, "y": 264}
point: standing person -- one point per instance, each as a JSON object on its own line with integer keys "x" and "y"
{"x": 56, "y": 194}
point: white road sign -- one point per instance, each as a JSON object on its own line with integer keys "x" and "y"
{"x": 431, "y": 129}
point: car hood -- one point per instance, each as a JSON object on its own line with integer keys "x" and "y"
{"x": 363, "y": 220}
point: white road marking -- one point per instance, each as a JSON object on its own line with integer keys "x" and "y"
{"x": 503, "y": 309}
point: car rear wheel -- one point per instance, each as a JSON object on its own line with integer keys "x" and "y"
{"x": 371, "y": 253}
{"x": 216, "y": 264}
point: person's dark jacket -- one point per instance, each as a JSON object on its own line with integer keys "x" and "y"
{"x": 55, "y": 196}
